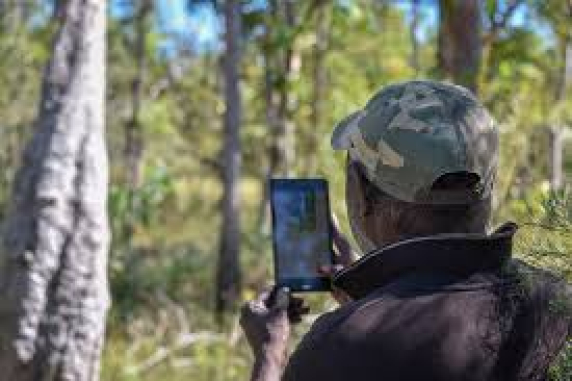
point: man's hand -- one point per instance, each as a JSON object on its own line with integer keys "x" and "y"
{"x": 266, "y": 323}
{"x": 345, "y": 257}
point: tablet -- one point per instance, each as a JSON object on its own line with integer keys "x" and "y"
{"x": 302, "y": 233}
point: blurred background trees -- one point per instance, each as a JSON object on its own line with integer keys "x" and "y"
{"x": 198, "y": 119}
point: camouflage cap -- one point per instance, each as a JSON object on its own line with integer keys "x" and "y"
{"x": 411, "y": 134}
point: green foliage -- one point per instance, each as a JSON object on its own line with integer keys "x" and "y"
{"x": 545, "y": 240}
{"x": 562, "y": 369}
{"x": 546, "y": 237}
{"x": 139, "y": 208}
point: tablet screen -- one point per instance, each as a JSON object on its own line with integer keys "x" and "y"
{"x": 301, "y": 229}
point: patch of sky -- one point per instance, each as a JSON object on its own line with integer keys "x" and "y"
{"x": 184, "y": 26}
{"x": 188, "y": 27}
{"x": 194, "y": 26}
{"x": 121, "y": 9}
{"x": 428, "y": 16}
{"x": 44, "y": 10}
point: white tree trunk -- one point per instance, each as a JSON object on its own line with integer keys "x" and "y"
{"x": 54, "y": 292}
{"x": 556, "y": 140}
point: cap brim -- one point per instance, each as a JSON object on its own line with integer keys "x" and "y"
{"x": 342, "y": 130}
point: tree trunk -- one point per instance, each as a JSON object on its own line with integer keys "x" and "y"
{"x": 54, "y": 253}
{"x": 415, "y": 64}
{"x": 320, "y": 79}
{"x": 228, "y": 271}
{"x": 555, "y": 133}
{"x": 291, "y": 66}
{"x": 271, "y": 98}
{"x": 273, "y": 125}
{"x": 14, "y": 14}
{"x": 58, "y": 10}
{"x": 555, "y": 159}
{"x": 281, "y": 64}
{"x": 133, "y": 130}
{"x": 134, "y": 141}
{"x": 565, "y": 78}
{"x": 460, "y": 46}
{"x": 284, "y": 65}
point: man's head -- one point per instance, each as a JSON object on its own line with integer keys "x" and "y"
{"x": 422, "y": 160}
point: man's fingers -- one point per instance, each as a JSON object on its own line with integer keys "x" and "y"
{"x": 255, "y": 306}
{"x": 274, "y": 303}
{"x": 330, "y": 270}
{"x": 341, "y": 243}
{"x": 340, "y": 296}
{"x": 325, "y": 270}
{"x": 297, "y": 309}
{"x": 264, "y": 297}
{"x": 295, "y": 302}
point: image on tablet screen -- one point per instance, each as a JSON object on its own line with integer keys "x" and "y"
{"x": 302, "y": 232}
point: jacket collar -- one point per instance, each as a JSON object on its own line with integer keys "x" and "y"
{"x": 457, "y": 255}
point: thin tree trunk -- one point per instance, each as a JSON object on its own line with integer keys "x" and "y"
{"x": 134, "y": 141}
{"x": 134, "y": 144}
{"x": 320, "y": 79}
{"x": 414, "y": 27}
{"x": 273, "y": 126}
{"x": 555, "y": 159}
{"x": 291, "y": 68}
{"x": 555, "y": 133}
{"x": 54, "y": 253}
{"x": 565, "y": 81}
{"x": 279, "y": 71}
{"x": 460, "y": 47}
{"x": 282, "y": 145}
{"x": 272, "y": 98}
{"x": 14, "y": 14}
{"x": 58, "y": 10}
{"x": 228, "y": 271}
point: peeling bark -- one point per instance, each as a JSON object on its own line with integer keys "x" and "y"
{"x": 53, "y": 256}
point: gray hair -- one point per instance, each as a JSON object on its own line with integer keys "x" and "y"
{"x": 414, "y": 220}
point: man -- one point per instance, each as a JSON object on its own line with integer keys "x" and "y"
{"x": 436, "y": 297}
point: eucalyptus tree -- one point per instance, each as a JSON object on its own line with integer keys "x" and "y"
{"x": 53, "y": 256}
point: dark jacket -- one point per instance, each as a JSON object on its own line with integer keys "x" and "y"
{"x": 448, "y": 307}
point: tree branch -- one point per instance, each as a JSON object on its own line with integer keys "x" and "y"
{"x": 498, "y": 24}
